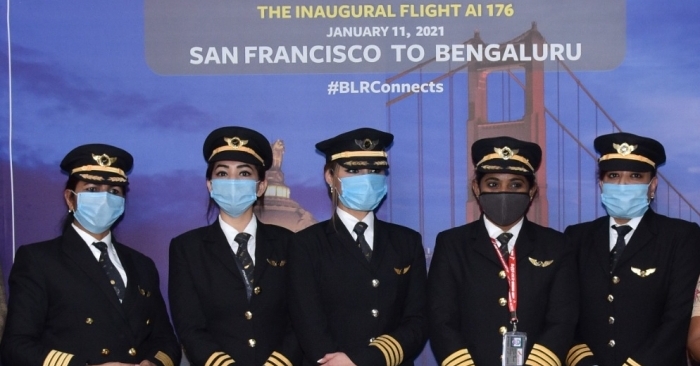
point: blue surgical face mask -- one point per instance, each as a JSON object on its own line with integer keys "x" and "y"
{"x": 234, "y": 196}
{"x": 362, "y": 192}
{"x": 625, "y": 201}
{"x": 97, "y": 211}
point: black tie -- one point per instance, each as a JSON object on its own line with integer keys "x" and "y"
{"x": 114, "y": 277}
{"x": 359, "y": 229}
{"x": 245, "y": 261}
{"x": 504, "y": 239}
{"x": 616, "y": 252}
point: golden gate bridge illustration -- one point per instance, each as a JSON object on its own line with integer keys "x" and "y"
{"x": 508, "y": 98}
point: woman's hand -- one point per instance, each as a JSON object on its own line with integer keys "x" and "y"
{"x": 336, "y": 359}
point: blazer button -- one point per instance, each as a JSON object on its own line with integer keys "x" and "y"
{"x": 611, "y": 298}
{"x": 256, "y": 290}
{"x": 502, "y": 302}
{"x": 88, "y": 321}
{"x": 616, "y": 280}
{"x": 502, "y": 274}
{"x": 611, "y": 320}
{"x": 132, "y": 352}
{"x": 375, "y": 283}
{"x": 371, "y": 340}
{"x": 251, "y": 342}
{"x": 148, "y": 321}
{"x": 502, "y": 330}
{"x": 248, "y": 315}
{"x": 611, "y": 344}
{"x": 105, "y": 352}
{"x": 375, "y": 313}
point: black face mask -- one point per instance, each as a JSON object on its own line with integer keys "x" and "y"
{"x": 504, "y": 208}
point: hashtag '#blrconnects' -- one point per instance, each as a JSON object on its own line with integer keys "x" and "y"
{"x": 332, "y": 88}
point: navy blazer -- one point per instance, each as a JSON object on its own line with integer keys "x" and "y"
{"x": 372, "y": 311}
{"x": 640, "y": 313}
{"x": 64, "y": 312}
{"x": 212, "y": 315}
{"x": 468, "y": 293}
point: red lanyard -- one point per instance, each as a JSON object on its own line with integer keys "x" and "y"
{"x": 511, "y": 275}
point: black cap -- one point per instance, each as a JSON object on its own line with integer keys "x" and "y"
{"x": 363, "y": 148}
{"x": 505, "y": 154}
{"x": 238, "y": 144}
{"x": 99, "y": 163}
{"x": 628, "y": 152}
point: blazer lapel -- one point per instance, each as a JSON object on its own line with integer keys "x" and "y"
{"x": 339, "y": 233}
{"x": 75, "y": 248}
{"x": 482, "y": 242}
{"x": 132, "y": 277}
{"x": 645, "y": 232}
{"x": 220, "y": 248}
{"x": 525, "y": 243}
{"x": 263, "y": 251}
{"x": 381, "y": 241}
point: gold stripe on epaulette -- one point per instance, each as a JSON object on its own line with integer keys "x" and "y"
{"x": 219, "y": 359}
{"x": 164, "y": 359}
{"x": 578, "y": 353}
{"x": 277, "y": 359}
{"x": 458, "y": 358}
{"x": 547, "y": 357}
{"x": 631, "y": 362}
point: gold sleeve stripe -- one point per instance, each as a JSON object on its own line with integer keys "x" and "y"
{"x": 631, "y": 362}
{"x": 460, "y": 357}
{"x": 277, "y": 359}
{"x": 57, "y": 358}
{"x": 164, "y": 359}
{"x": 546, "y": 356}
{"x": 393, "y": 353}
{"x": 578, "y": 353}
{"x": 394, "y": 347}
{"x": 387, "y": 356}
{"x": 219, "y": 359}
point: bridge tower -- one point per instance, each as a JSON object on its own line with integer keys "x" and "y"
{"x": 531, "y": 127}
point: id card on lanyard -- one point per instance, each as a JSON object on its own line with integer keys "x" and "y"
{"x": 514, "y": 342}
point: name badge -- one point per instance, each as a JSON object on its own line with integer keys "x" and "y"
{"x": 514, "y": 348}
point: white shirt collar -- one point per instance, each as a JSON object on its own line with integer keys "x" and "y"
{"x": 494, "y": 231}
{"x": 230, "y": 232}
{"x": 89, "y": 239}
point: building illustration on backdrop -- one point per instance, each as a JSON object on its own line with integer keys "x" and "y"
{"x": 279, "y": 209}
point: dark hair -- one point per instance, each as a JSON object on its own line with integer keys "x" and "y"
{"x": 212, "y": 204}
{"x": 478, "y": 175}
{"x": 71, "y": 184}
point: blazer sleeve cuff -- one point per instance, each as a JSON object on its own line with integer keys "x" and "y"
{"x": 277, "y": 359}
{"x": 390, "y": 348}
{"x": 542, "y": 356}
{"x": 631, "y": 362}
{"x": 161, "y": 358}
{"x": 219, "y": 359}
{"x": 58, "y": 358}
{"x": 460, "y": 357}
{"x": 577, "y": 354}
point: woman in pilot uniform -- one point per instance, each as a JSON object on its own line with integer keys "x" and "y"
{"x": 83, "y": 298}
{"x": 227, "y": 284}
{"x": 357, "y": 284}
{"x": 502, "y": 274}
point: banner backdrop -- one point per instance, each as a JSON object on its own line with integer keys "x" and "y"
{"x": 155, "y": 77}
